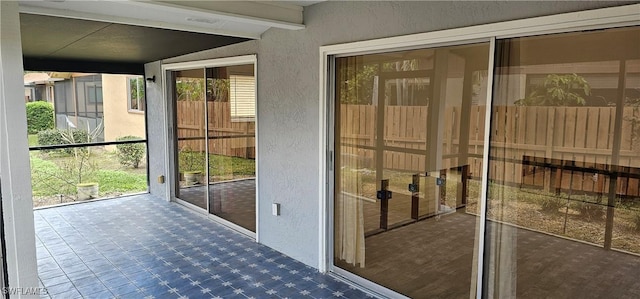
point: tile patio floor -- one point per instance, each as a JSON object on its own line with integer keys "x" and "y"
{"x": 144, "y": 247}
{"x": 234, "y": 201}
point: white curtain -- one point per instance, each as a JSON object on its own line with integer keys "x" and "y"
{"x": 348, "y": 210}
{"x": 349, "y": 218}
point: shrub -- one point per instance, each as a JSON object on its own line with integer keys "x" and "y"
{"x": 589, "y": 210}
{"x": 552, "y": 204}
{"x": 189, "y": 160}
{"x": 56, "y": 137}
{"x": 636, "y": 220}
{"x": 50, "y": 137}
{"x": 40, "y": 116}
{"x": 130, "y": 154}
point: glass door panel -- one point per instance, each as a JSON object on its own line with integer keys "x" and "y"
{"x": 404, "y": 148}
{"x": 231, "y": 117}
{"x": 564, "y": 167}
{"x": 191, "y": 137}
{"x": 403, "y": 116}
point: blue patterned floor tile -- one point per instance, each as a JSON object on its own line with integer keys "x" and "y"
{"x": 355, "y": 293}
{"x": 56, "y": 272}
{"x": 59, "y": 289}
{"x": 75, "y": 268}
{"x": 123, "y": 289}
{"x": 225, "y": 292}
{"x": 48, "y": 265}
{"x": 74, "y": 275}
{"x": 156, "y": 290}
{"x": 140, "y": 246}
{"x": 115, "y": 282}
{"x": 51, "y": 281}
{"x": 85, "y": 280}
{"x": 100, "y": 295}
{"x": 324, "y": 292}
{"x": 68, "y": 294}
{"x": 88, "y": 290}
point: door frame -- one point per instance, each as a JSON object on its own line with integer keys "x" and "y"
{"x": 619, "y": 16}
{"x": 171, "y": 149}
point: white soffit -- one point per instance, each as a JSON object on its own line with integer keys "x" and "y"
{"x": 185, "y": 16}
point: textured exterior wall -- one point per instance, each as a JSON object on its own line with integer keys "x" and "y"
{"x": 288, "y": 115}
{"x": 118, "y": 120}
{"x": 156, "y": 130}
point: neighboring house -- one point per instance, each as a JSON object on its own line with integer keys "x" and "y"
{"x": 81, "y": 100}
{"x": 39, "y": 87}
{"x": 123, "y": 106}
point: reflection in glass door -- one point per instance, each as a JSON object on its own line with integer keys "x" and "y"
{"x": 408, "y": 143}
{"x": 215, "y": 116}
{"x": 190, "y": 128}
{"x": 231, "y": 104}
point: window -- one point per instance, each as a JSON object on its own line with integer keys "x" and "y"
{"x": 136, "y": 93}
{"x": 94, "y": 93}
{"x": 242, "y": 91}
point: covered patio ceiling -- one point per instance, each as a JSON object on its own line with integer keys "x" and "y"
{"x": 121, "y": 36}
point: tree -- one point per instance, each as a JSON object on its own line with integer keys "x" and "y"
{"x": 358, "y": 84}
{"x": 558, "y": 90}
{"x": 190, "y": 89}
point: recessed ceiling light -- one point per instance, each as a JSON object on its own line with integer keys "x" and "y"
{"x": 203, "y": 20}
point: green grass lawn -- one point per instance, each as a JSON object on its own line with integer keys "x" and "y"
{"x": 33, "y": 139}
{"x": 220, "y": 167}
{"x": 51, "y": 177}
{"x": 223, "y": 165}
{"x": 52, "y": 173}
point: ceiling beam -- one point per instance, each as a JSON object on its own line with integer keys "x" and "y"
{"x": 70, "y": 65}
{"x": 164, "y": 15}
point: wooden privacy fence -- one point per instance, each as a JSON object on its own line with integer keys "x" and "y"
{"x": 228, "y": 137}
{"x": 581, "y": 134}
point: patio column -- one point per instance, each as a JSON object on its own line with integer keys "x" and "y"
{"x": 17, "y": 204}
{"x": 159, "y": 126}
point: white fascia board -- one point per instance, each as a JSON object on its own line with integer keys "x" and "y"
{"x": 158, "y": 15}
{"x": 269, "y": 10}
{"x": 135, "y": 22}
{"x": 216, "y": 62}
{"x": 173, "y": 8}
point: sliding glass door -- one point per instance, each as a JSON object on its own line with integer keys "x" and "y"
{"x": 407, "y": 165}
{"x": 561, "y": 165}
{"x": 564, "y": 166}
{"x": 231, "y": 120}
{"x": 215, "y": 117}
{"x": 190, "y": 135}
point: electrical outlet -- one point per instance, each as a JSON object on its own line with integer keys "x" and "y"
{"x": 275, "y": 209}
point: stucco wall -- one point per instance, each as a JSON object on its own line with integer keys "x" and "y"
{"x": 157, "y": 132}
{"x": 288, "y": 95}
{"x": 118, "y": 121}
